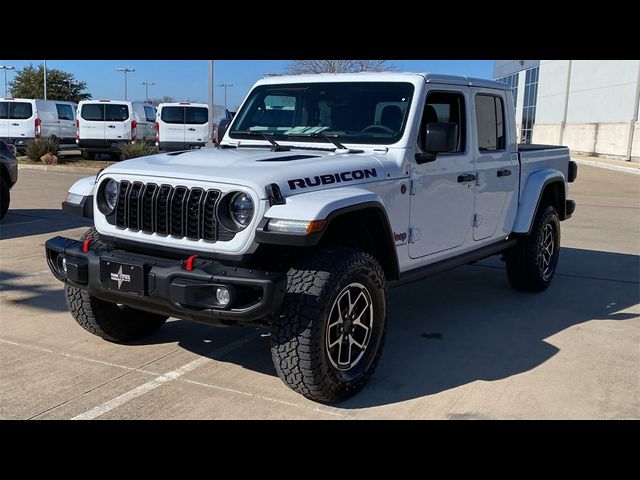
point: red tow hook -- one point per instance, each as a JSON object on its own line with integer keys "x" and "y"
{"x": 190, "y": 260}
{"x": 85, "y": 244}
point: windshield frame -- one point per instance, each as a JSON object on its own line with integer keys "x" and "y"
{"x": 410, "y": 94}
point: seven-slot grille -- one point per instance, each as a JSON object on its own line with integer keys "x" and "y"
{"x": 177, "y": 211}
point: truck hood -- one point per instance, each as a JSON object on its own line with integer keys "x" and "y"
{"x": 296, "y": 171}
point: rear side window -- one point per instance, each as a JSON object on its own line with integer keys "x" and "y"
{"x": 93, "y": 112}
{"x": 65, "y": 112}
{"x": 490, "y": 123}
{"x": 15, "y": 110}
{"x": 172, "y": 115}
{"x": 149, "y": 113}
{"x": 115, "y": 113}
{"x": 196, "y": 115}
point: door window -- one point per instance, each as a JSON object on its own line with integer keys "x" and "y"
{"x": 15, "y": 110}
{"x": 116, "y": 113}
{"x": 445, "y": 107}
{"x": 490, "y": 123}
{"x": 65, "y": 112}
{"x": 172, "y": 115}
{"x": 93, "y": 112}
{"x": 149, "y": 113}
{"x": 196, "y": 115}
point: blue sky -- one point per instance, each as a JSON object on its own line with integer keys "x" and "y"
{"x": 187, "y": 79}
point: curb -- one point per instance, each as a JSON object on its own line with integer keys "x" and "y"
{"x": 608, "y": 166}
{"x": 59, "y": 168}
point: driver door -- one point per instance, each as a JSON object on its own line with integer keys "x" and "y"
{"x": 443, "y": 190}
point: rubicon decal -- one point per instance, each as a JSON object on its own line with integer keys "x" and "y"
{"x": 330, "y": 178}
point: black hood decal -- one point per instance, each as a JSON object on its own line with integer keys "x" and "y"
{"x": 288, "y": 158}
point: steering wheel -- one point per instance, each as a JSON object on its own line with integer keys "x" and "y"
{"x": 379, "y": 127}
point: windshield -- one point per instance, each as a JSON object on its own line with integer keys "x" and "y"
{"x": 351, "y": 112}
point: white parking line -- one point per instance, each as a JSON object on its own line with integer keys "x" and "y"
{"x": 156, "y": 382}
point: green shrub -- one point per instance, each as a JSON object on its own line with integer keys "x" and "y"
{"x": 41, "y": 146}
{"x": 138, "y": 149}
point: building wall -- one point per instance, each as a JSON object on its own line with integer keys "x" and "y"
{"x": 590, "y": 105}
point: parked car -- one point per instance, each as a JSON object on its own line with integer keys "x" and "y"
{"x": 8, "y": 175}
{"x": 103, "y": 125}
{"x": 181, "y": 126}
{"x": 24, "y": 119}
{"x": 326, "y": 191}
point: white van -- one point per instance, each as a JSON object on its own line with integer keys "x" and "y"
{"x": 102, "y": 125}
{"x": 182, "y": 126}
{"x": 23, "y": 119}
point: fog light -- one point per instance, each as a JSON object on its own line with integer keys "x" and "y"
{"x": 223, "y": 295}
{"x": 64, "y": 265}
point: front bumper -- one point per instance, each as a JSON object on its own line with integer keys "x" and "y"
{"x": 166, "y": 287}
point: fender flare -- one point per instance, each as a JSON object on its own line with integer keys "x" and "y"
{"x": 531, "y": 196}
{"x": 326, "y": 205}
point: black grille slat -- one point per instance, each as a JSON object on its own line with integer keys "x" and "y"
{"x": 178, "y": 211}
{"x": 193, "y": 213}
{"x": 162, "y": 209}
{"x": 209, "y": 222}
{"x": 121, "y": 205}
{"x": 148, "y": 207}
{"x": 133, "y": 208}
{"x": 166, "y": 210}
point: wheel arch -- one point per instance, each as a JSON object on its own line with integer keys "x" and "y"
{"x": 544, "y": 187}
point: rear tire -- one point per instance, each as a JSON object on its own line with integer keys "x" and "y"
{"x": 87, "y": 155}
{"x": 327, "y": 338}
{"x": 5, "y": 197}
{"x": 532, "y": 262}
{"x": 108, "y": 320}
{"x": 116, "y": 157}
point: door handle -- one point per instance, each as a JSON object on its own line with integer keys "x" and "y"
{"x": 191, "y": 129}
{"x": 15, "y": 124}
{"x": 504, "y": 173}
{"x": 466, "y": 178}
{"x": 111, "y": 126}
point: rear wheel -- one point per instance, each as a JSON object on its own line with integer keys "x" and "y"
{"x": 5, "y": 197}
{"x": 327, "y": 339}
{"x": 113, "y": 322}
{"x": 532, "y": 262}
{"x": 87, "y": 155}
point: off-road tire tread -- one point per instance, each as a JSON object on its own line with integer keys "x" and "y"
{"x": 295, "y": 351}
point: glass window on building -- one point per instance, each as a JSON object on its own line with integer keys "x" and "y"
{"x": 529, "y": 105}
{"x": 512, "y": 81}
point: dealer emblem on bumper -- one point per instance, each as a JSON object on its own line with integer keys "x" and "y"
{"x": 120, "y": 277}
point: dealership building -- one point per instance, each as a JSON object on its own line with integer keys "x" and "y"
{"x": 591, "y": 106}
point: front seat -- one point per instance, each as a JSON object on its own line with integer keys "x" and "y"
{"x": 391, "y": 117}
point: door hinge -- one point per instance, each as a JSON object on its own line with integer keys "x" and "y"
{"x": 414, "y": 235}
{"x": 476, "y": 220}
{"x": 414, "y": 185}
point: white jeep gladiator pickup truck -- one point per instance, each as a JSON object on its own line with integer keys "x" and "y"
{"x": 325, "y": 191}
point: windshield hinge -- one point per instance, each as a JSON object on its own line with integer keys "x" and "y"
{"x": 414, "y": 186}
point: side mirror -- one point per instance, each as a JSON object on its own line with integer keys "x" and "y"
{"x": 439, "y": 137}
{"x": 222, "y": 128}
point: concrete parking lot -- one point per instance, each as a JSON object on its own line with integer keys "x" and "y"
{"x": 461, "y": 345}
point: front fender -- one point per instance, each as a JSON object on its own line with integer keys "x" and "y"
{"x": 79, "y": 201}
{"x": 531, "y": 195}
{"x": 84, "y": 186}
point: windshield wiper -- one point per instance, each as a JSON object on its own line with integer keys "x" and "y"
{"x": 328, "y": 138}
{"x": 276, "y": 147}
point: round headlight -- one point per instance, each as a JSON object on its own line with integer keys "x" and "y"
{"x": 241, "y": 209}
{"x": 110, "y": 196}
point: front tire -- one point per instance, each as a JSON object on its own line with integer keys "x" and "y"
{"x": 532, "y": 262}
{"x": 327, "y": 338}
{"x": 5, "y": 197}
{"x": 112, "y": 322}
{"x": 87, "y": 155}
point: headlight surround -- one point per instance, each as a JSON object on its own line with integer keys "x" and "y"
{"x": 241, "y": 209}
{"x": 108, "y": 196}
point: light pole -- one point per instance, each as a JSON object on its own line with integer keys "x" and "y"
{"x": 45, "y": 79}
{"x": 125, "y": 70}
{"x": 146, "y": 90}
{"x": 5, "y": 68}
{"x": 225, "y": 85}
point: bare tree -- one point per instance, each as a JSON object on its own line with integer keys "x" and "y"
{"x": 298, "y": 67}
